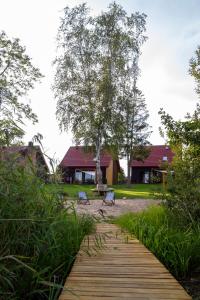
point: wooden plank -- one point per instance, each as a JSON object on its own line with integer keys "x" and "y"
{"x": 114, "y": 265}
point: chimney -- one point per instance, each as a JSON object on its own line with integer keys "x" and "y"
{"x": 30, "y": 144}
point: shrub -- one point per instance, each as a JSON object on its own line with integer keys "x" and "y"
{"x": 183, "y": 193}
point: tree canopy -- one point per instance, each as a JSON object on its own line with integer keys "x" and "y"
{"x": 17, "y": 77}
{"x": 194, "y": 69}
{"x": 136, "y": 129}
{"x": 95, "y": 54}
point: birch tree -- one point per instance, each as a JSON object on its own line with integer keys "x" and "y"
{"x": 93, "y": 54}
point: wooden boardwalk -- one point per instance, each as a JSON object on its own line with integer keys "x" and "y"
{"x": 118, "y": 267}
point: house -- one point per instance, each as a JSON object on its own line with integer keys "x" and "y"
{"x": 26, "y": 156}
{"x": 150, "y": 170}
{"x": 79, "y": 166}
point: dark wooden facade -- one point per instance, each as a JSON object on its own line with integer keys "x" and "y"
{"x": 146, "y": 175}
{"x": 150, "y": 170}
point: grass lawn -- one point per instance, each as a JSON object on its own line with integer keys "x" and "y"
{"x": 143, "y": 191}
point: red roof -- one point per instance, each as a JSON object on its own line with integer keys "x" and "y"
{"x": 77, "y": 157}
{"x": 157, "y": 156}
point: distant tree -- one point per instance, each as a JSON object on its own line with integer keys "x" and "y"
{"x": 94, "y": 53}
{"x": 121, "y": 176}
{"x": 135, "y": 115}
{"x": 17, "y": 77}
{"x": 194, "y": 69}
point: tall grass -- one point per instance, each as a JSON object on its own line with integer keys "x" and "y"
{"x": 39, "y": 238}
{"x": 177, "y": 247}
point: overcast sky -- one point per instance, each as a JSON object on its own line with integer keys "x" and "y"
{"x": 173, "y": 30}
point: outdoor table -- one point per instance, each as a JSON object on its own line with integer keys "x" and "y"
{"x": 102, "y": 192}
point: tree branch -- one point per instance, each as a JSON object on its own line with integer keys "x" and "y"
{"x": 8, "y": 64}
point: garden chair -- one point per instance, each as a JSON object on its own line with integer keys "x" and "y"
{"x": 82, "y": 198}
{"x": 109, "y": 198}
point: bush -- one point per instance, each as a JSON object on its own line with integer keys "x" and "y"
{"x": 39, "y": 239}
{"x": 183, "y": 193}
{"x": 178, "y": 248}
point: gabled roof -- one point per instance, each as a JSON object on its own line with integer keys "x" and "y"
{"x": 155, "y": 158}
{"x": 77, "y": 157}
{"x": 22, "y": 151}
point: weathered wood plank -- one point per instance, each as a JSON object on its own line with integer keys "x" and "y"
{"x": 114, "y": 265}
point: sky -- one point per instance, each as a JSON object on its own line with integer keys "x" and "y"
{"x": 173, "y": 31}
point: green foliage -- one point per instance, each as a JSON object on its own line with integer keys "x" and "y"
{"x": 39, "y": 238}
{"x": 176, "y": 247}
{"x": 10, "y": 132}
{"x": 183, "y": 133}
{"x": 121, "y": 176}
{"x": 183, "y": 197}
{"x": 183, "y": 192}
{"x": 17, "y": 76}
{"x": 95, "y": 60}
{"x": 195, "y": 69}
{"x": 136, "y": 129}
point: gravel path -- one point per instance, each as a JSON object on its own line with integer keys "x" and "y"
{"x": 121, "y": 206}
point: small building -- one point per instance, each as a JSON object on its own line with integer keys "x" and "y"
{"x": 30, "y": 157}
{"x": 79, "y": 166}
{"x": 150, "y": 170}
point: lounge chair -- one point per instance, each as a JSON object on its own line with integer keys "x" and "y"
{"x": 109, "y": 198}
{"x": 82, "y": 198}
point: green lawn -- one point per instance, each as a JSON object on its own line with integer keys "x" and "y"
{"x": 143, "y": 191}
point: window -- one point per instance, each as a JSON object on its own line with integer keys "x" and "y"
{"x": 89, "y": 176}
{"x": 165, "y": 158}
{"x": 85, "y": 176}
{"x": 78, "y": 176}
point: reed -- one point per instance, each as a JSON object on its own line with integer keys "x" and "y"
{"x": 39, "y": 237}
{"x": 177, "y": 247}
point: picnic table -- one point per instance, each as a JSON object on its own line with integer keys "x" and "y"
{"x": 102, "y": 189}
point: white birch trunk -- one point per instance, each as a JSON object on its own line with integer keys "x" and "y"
{"x": 98, "y": 165}
{"x": 128, "y": 170}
